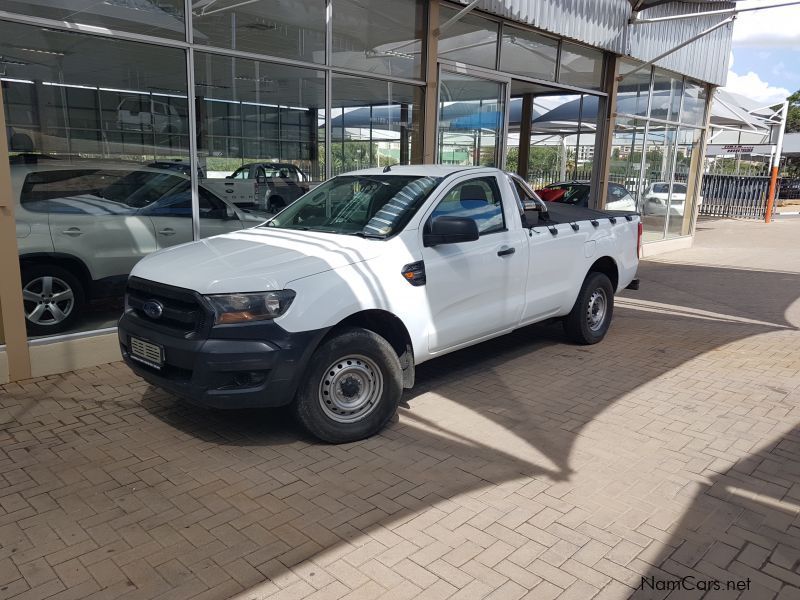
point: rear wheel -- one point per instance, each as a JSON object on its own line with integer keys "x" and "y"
{"x": 52, "y": 298}
{"x": 590, "y": 318}
{"x": 351, "y": 388}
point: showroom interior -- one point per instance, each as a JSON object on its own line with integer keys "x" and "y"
{"x": 128, "y": 124}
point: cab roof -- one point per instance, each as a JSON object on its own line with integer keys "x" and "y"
{"x": 422, "y": 170}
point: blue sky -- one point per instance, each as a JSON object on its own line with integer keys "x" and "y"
{"x": 766, "y": 52}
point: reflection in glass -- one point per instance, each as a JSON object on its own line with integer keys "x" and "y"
{"x": 694, "y": 103}
{"x": 659, "y": 155}
{"x": 164, "y": 18}
{"x": 626, "y": 156}
{"x": 667, "y": 91}
{"x": 289, "y": 29}
{"x": 379, "y": 37}
{"x": 471, "y": 40}
{"x": 634, "y": 89}
{"x": 470, "y": 119}
{"x": 528, "y": 53}
{"x": 580, "y": 66}
{"x": 684, "y": 190}
{"x": 98, "y": 136}
{"x": 374, "y": 123}
{"x": 259, "y": 127}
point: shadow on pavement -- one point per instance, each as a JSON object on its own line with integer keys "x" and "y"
{"x": 507, "y": 410}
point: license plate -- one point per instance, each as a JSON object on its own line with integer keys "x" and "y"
{"x": 147, "y": 353}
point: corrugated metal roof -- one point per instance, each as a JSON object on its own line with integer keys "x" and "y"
{"x": 705, "y": 59}
{"x": 604, "y": 24}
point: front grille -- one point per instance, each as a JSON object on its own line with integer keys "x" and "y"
{"x": 181, "y": 311}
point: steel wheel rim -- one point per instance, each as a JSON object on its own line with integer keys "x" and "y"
{"x": 47, "y": 300}
{"x": 350, "y": 389}
{"x": 596, "y": 309}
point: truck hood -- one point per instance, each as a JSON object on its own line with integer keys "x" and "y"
{"x": 253, "y": 260}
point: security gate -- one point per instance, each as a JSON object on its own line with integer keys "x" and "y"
{"x": 735, "y": 196}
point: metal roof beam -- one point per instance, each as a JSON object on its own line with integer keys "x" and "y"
{"x": 452, "y": 20}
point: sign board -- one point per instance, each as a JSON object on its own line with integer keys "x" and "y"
{"x": 718, "y": 149}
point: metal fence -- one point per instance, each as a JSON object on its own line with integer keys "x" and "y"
{"x": 735, "y": 196}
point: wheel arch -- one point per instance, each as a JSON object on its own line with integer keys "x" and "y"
{"x": 608, "y": 267}
{"x": 66, "y": 261}
{"x": 390, "y": 327}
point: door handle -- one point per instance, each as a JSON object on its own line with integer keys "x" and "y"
{"x": 72, "y": 232}
{"x": 506, "y": 251}
{"x": 167, "y": 231}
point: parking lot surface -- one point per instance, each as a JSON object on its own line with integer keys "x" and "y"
{"x": 663, "y": 462}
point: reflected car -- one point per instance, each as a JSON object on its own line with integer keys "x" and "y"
{"x": 82, "y": 226}
{"x": 141, "y": 113}
{"x": 657, "y": 196}
{"x": 578, "y": 192}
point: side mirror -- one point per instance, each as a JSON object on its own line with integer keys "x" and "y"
{"x": 450, "y": 230}
{"x": 261, "y": 180}
{"x": 228, "y": 176}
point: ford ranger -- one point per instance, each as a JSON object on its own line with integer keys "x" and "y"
{"x": 330, "y": 305}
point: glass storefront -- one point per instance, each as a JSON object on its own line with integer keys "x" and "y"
{"x": 471, "y": 113}
{"x": 656, "y": 147}
{"x": 153, "y": 127}
{"x": 101, "y": 130}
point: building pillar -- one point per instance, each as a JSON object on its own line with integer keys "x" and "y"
{"x": 604, "y": 140}
{"x": 525, "y": 126}
{"x": 431, "y": 83}
{"x": 12, "y": 314}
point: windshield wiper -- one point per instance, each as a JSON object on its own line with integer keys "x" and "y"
{"x": 368, "y": 236}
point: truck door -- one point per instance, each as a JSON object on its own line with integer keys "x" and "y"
{"x": 475, "y": 289}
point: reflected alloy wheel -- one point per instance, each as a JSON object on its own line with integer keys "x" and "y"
{"x": 52, "y": 298}
{"x": 48, "y": 300}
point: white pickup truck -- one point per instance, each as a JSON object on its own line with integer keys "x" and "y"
{"x": 331, "y": 304}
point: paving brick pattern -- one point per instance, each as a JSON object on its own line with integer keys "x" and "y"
{"x": 521, "y": 468}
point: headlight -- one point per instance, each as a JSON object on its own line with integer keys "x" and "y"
{"x": 241, "y": 308}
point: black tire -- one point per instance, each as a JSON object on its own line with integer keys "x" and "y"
{"x": 583, "y": 324}
{"x": 49, "y": 322}
{"x": 349, "y": 366}
{"x": 276, "y": 204}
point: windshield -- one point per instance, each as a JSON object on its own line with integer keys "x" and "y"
{"x": 663, "y": 188}
{"x": 367, "y": 205}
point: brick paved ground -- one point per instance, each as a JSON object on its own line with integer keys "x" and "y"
{"x": 522, "y": 468}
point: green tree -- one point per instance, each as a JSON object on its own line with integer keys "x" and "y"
{"x": 793, "y": 118}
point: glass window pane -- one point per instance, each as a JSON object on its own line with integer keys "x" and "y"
{"x": 684, "y": 195}
{"x": 374, "y": 123}
{"x": 379, "y": 37}
{"x": 634, "y": 89}
{"x": 694, "y": 103}
{"x": 98, "y": 132}
{"x": 667, "y": 91}
{"x": 581, "y": 66}
{"x": 626, "y": 156}
{"x": 272, "y": 27}
{"x": 470, "y": 119}
{"x": 260, "y": 129}
{"x": 164, "y": 18}
{"x": 528, "y": 53}
{"x": 477, "y": 199}
{"x": 472, "y": 39}
{"x": 659, "y": 153}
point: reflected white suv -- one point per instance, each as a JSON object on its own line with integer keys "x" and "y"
{"x": 82, "y": 226}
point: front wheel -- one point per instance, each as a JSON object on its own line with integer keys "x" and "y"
{"x": 590, "y": 318}
{"x": 351, "y": 388}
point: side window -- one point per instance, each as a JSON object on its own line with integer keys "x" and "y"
{"x": 241, "y": 173}
{"x": 478, "y": 199}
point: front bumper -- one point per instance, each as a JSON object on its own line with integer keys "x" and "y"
{"x": 237, "y": 366}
